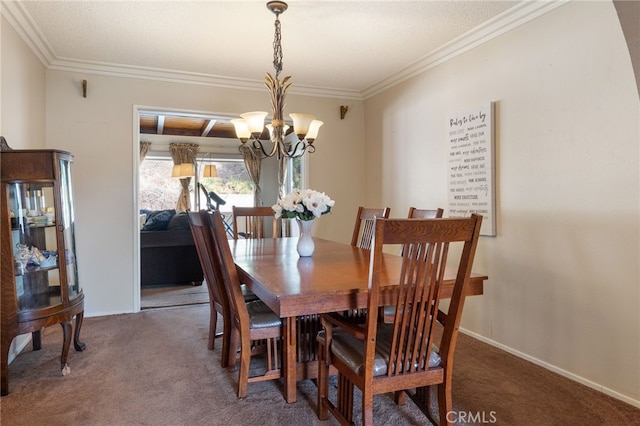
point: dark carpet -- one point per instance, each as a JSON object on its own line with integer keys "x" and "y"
{"x": 153, "y": 368}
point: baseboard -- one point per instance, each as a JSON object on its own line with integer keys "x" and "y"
{"x": 554, "y": 369}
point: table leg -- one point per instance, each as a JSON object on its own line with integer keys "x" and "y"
{"x": 289, "y": 360}
{"x": 36, "y": 340}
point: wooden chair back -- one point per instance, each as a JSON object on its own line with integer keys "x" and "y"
{"x": 198, "y": 221}
{"x": 420, "y": 214}
{"x": 363, "y": 227}
{"x": 415, "y": 213}
{"x": 249, "y": 222}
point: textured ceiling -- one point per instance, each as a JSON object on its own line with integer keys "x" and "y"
{"x": 343, "y": 45}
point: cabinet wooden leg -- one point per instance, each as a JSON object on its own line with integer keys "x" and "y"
{"x": 36, "y": 340}
{"x": 77, "y": 344}
{"x": 66, "y": 344}
{"x": 4, "y": 367}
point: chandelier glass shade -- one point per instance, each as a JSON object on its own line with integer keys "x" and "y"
{"x": 250, "y": 126}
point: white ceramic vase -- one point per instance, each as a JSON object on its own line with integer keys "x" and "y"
{"x": 305, "y": 241}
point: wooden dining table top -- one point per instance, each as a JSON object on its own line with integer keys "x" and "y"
{"x": 334, "y": 278}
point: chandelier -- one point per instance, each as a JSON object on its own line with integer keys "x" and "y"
{"x": 251, "y": 126}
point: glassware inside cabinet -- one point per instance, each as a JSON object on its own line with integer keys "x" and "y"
{"x": 35, "y": 248}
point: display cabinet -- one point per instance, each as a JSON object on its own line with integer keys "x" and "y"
{"x": 39, "y": 271}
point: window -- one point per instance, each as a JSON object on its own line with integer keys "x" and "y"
{"x": 159, "y": 191}
{"x": 295, "y": 174}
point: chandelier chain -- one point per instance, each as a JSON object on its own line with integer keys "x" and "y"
{"x": 277, "y": 48}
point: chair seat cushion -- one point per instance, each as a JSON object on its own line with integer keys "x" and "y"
{"x": 248, "y": 295}
{"x": 389, "y": 310}
{"x": 260, "y": 316}
{"x": 350, "y": 350}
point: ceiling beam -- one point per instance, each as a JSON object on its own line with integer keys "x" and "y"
{"x": 160, "y": 124}
{"x": 208, "y": 127}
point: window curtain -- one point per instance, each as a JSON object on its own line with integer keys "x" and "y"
{"x": 253, "y": 162}
{"x": 144, "y": 149}
{"x": 184, "y": 153}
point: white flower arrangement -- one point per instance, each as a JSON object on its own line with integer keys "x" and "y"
{"x": 303, "y": 204}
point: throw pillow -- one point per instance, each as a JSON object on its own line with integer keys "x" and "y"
{"x": 158, "y": 220}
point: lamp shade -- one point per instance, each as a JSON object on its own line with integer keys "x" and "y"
{"x": 255, "y": 121}
{"x": 183, "y": 170}
{"x": 314, "y": 127}
{"x": 270, "y": 129}
{"x": 242, "y": 129}
{"x": 301, "y": 123}
{"x": 210, "y": 171}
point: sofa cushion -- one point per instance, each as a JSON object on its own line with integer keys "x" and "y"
{"x": 179, "y": 222}
{"x": 158, "y": 220}
{"x": 143, "y": 220}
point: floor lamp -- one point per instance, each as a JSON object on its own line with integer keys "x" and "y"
{"x": 185, "y": 170}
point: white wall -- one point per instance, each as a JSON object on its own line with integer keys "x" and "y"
{"x": 563, "y": 285}
{"x": 23, "y": 92}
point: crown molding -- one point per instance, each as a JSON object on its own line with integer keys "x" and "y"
{"x": 22, "y": 23}
{"x": 175, "y": 76}
{"x": 519, "y": 15}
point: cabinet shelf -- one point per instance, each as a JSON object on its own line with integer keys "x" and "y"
{"x": 33, "y": 269}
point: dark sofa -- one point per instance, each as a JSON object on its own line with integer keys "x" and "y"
{"x": 167, "y": 251}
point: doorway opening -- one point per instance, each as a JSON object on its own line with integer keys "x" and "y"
{"x": 218, "y": 146}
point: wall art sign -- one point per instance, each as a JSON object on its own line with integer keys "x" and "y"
{"x": 471, "y": 168}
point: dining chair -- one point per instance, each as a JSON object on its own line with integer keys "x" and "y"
{"x": 255, "y": 218}
{"x": 361, "y": 238}
{"x": 363, "y": 228}
{"x": 218, "y": 300}
{"x": 416, "y": 351}
{"x": 249, "y": 222}
{"x": 253, "y": 325}
{"x": 414, "y": 213}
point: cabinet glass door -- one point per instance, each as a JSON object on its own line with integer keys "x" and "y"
{"x": 35, "y": 247}
{"x": 68, "y": 223}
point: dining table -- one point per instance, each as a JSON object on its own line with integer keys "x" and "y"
{"x": 333, "y": 279}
